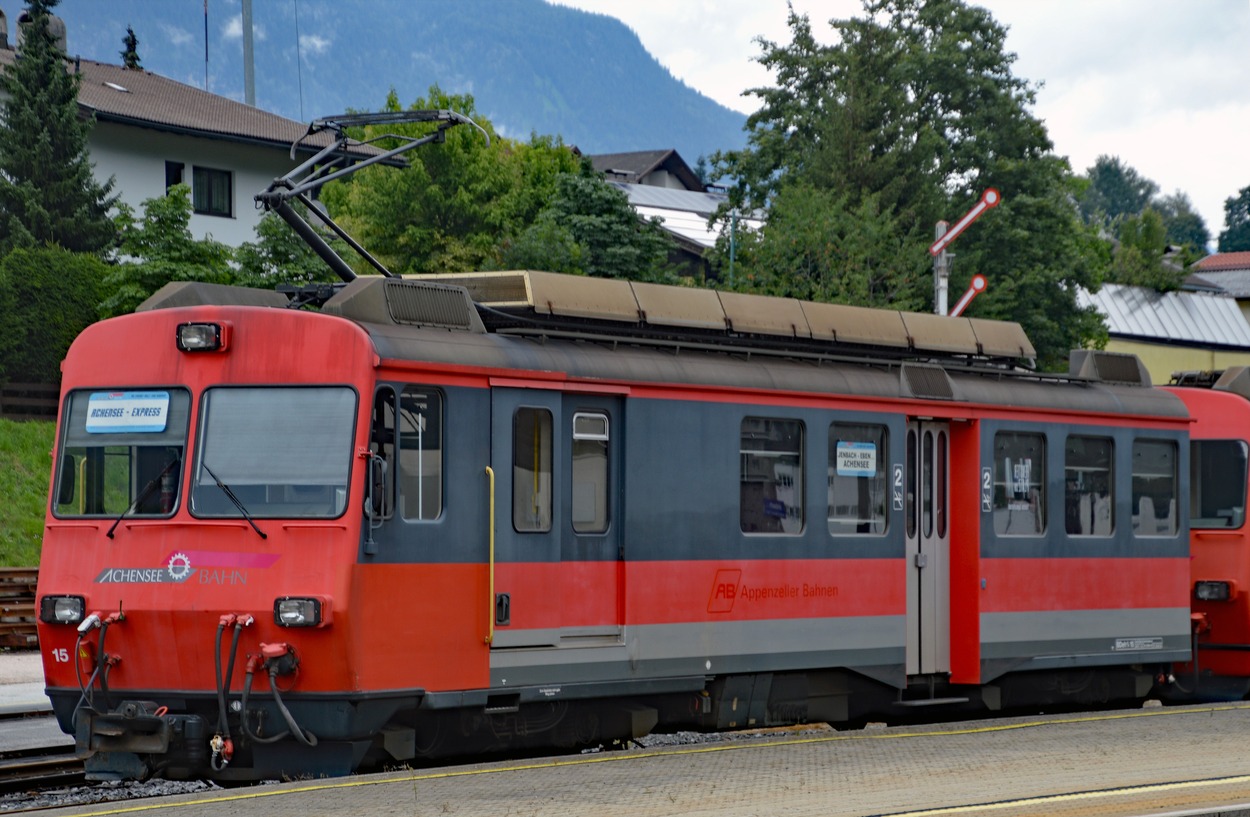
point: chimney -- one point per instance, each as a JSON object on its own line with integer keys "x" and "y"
{"x": 56, "y": 27}
{"x": 4, "y": 31}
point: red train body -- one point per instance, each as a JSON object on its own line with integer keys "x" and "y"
{"x": 1220, "y": 558}
{"x": 282, "y": 542}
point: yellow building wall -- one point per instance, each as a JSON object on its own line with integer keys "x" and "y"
{"x": 1162, "y": 360}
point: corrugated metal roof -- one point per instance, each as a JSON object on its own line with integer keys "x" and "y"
{"x": 669, "y": 198}
{"x": 684, "y": 212}
{"x": 1184, "y": 317}
{"x": 691, "y": 226}
{"x": 1235, "y": 282}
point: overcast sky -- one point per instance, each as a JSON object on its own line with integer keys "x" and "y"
{"x": 1162, "y": 84}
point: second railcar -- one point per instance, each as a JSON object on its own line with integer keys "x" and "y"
{"x": 1219, "y": 403}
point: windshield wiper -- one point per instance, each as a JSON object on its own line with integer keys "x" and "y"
{"x": 144, "y": 494}
{"x": 225, "y": 489}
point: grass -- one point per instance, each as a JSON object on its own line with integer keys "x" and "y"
{"x": 25, "y": 463}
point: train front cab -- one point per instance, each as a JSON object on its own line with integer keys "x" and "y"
{"x": 202, "y": 527}
{"x": 1219, "y": 575}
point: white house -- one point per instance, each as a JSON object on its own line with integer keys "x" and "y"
{"x": 152, "y": 132}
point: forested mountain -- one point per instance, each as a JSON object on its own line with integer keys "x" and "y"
{"x": 530, "y": 66}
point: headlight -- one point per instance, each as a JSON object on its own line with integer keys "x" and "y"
{"x": 61, "y": 609}
{"x": 199, "y": 337}
{"x": 294, "y": 611}
{"x": 1213, "y": 591}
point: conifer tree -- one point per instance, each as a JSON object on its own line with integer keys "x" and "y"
{"x": 48, "y": 194}
{"x": 130, "y": 54}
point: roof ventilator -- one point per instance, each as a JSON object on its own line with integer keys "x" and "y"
{"x": 924, "y": 380}
{"x": 1109, "y": 367}
{"x": 424, "y": 303}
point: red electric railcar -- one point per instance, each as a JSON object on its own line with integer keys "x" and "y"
{"x": 1219, "y": 403}
{"x": 520, "y": 510}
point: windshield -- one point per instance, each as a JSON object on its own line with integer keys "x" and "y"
{"x": 1217, "y": 483}
{"x": 121, "y": 448}
{"x": 282, "y": 452}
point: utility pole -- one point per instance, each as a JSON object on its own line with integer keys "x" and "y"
{"x": 249, "y": 66}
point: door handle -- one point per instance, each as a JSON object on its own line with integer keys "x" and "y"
{"x": 503, "y": 609}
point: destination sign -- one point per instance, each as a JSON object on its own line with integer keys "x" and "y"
{"x": 112, "y": 412}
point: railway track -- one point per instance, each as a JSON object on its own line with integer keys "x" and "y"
{"x": 34, "y": 756}
{"x": 17, "y": 607}
{"x": 40, "y": 768}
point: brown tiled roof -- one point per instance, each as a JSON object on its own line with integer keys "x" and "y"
{"x": 633, "y": 167}
{"x": 137, "y": 97}
{"x": 1224, "y": 261}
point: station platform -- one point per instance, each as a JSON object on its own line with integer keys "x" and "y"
{"x": 1154, "y": 761}
{"x": 21, "y": 683}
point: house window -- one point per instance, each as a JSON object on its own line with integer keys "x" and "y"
{"x": 212, "y": 192}
{"x": 173, "y": 174}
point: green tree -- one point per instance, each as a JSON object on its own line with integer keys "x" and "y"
{"x": 463, "y": 205}
{"x": 47, "y": 191}
{"x": 159, "y": 248}
{"x": 545, "y": 245}
{"x": 906, "y": 119}
{"x": 1138, "y": 259}
{"x": 1115, "y": 190}
{"x": 280, "y": 256}
{"x": 130, "y": 51}
{"x": 1235, "y": 236}
{"x": 47, "y": 295}
{"x": 1185, "y": 228}
{"x": 443, "y": 212}
{"x": 611, "y": 240}
{"x": 817, "y": 247}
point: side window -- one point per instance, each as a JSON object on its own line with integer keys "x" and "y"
{"x": 1154, "y": 488}
{"x": 1217, "y": 483}
{"x": 531, "y": 470}
{"x": 1019, "y": 484}
{"x": 858, "y": 488}
{"x": 382, "y": 446}
{"x": 771, "y": 457}
{"x": 590, "y": 472}
{"x": 212, "y": 191}
{"x": 420, "y": 453}
{"x": 1088, "y": 486}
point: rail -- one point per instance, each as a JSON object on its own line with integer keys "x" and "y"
{"x": 17, "y": 607}
{"x": 42, "y": 768}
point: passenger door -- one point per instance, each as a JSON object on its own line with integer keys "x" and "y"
{"x": 557, "y": 568}
{"x": 927, "y": 512}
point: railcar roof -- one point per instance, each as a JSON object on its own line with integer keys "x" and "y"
{"x": 739, "y": 319}
{"x": 648, "y": 333}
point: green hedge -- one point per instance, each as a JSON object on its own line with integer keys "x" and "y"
{"x": 47, "y": 296}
